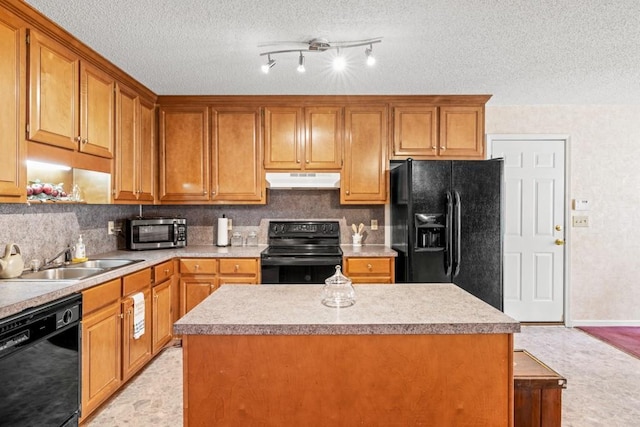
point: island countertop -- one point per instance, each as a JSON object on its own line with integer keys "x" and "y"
{"x": 434, "y": 308}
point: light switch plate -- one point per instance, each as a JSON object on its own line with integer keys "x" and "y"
{"x": 111, "y": 227}
{"x": 374, "y": 224}
{"x": 580, "y": 221}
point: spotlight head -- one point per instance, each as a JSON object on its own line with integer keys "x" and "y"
{"x": 269, "y": 65}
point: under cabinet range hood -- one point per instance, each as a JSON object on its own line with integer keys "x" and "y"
{"x": 302, "y": 180}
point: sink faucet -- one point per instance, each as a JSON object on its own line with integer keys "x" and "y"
{"x": 48, "y": 262}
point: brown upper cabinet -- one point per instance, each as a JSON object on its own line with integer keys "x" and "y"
{"x": 364, "y": 176}
{"x": 303, "y": 138}
{"x": 439, "y": 130}
{"x": 71, "y": 103}
{"x": 134, "y": 171}
{"x": 194, "y": 167}
{"x": 237, "y": 174}
{"x": 183, "y": 155}
{"x": 13, "y": 174}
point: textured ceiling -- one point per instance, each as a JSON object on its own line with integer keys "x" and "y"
{"x": 520, "y": 51}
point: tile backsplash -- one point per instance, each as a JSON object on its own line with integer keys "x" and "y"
{"x": 42, "y": 230}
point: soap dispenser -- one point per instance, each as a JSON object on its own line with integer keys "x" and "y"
{"x": 79, "y": 254}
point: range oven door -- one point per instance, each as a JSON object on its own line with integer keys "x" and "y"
{"x": 298, "y": 270}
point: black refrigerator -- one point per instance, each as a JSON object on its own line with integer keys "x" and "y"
{"x": 446, "y": 224}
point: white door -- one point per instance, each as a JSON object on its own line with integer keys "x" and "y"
{"x": 534, "y": 226}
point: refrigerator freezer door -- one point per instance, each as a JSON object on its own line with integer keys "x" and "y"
{"x": 479, "y": 184}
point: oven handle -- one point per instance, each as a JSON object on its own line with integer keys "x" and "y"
{"x": 300, "y": 261}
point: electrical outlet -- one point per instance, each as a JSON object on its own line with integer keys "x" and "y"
{"x": 374, "y": 224}
{"x": 580, "y": 221}
{"x": 111, "y": 227}
{"x": 229, "y": 227}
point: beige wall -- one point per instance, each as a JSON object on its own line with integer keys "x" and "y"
{"x": 604, "y": 155}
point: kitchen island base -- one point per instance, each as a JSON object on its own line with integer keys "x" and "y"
{"x": 348, "y": 380}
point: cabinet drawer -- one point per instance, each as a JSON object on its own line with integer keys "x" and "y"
{"x": 368, "y": 266}
{"x": 162, "y": 272}
{"x": 136, "y": 282}
{"x": 100, "y": 296}
{"x": 239, "y": 266}
{"x": 198, "y": 266}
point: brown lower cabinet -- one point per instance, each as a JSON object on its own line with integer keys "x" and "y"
{"x": 110, "y": 353}
{"x": 101, "y": 344}
{"x": 537, "y": 392}
{"x": 370, "y": 269}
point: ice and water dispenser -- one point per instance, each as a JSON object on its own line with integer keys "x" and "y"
{"x": 430, "y": 231}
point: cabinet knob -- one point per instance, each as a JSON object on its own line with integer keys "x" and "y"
{"x": 307, "y": 161}
{"x": 77, "y": 139}
{"x": 166, "y": 271}
{"x": 369, "y": 266}
{"x": 236, "y": 268}
{"x": 347, "y": 192}
{"x": 433, "y": 147}
{"x": 442, "y": 148}
{"x": 197, "y": 266}
{"x": 85, "y": 140}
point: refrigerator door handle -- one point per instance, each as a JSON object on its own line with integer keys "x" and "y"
{"x": 457, "y": 207}
{"x": 448, "y": 247}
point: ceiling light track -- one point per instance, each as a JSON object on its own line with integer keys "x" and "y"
{"x": 319, "y": 45}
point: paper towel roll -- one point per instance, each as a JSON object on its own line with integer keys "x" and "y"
{"x": 223, "y": 233}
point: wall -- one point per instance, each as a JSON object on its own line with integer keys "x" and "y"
{"x": 43, "y": 230}
{"x": 604, "y": 168}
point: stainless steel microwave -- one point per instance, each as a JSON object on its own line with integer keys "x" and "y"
{"x": 155, "y": 233}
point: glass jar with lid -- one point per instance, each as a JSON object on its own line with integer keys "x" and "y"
{"x": 252, "y": 239}
{"x": 338, "y": 291}
{"x": 236, "y": 239}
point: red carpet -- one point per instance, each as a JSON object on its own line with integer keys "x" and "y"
{"x": 625, "y": 338}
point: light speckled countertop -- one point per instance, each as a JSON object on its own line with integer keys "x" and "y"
{"x": 17, "y": 295}
{"x": 436, "y": 308}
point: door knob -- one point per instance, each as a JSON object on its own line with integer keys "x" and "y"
{"x": 558, "y": 228}
{"x": 559, "y": 242}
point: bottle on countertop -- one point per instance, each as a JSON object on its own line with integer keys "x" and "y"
{"x": 79, "y": 254}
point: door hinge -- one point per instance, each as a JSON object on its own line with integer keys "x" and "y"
{"x": 28, "y": 128}
{"x": 28, "y": 38}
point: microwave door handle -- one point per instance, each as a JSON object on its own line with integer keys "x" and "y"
{"x": 175, "y": 233}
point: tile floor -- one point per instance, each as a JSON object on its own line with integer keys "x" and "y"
{"x": 603, "y": 383}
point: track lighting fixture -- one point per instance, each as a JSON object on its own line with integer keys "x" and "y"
{"x": 269, "y": 65}
{"x": 320, "y": 45}
{"x": 371, "y": 60}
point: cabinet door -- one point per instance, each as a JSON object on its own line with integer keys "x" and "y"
{"x": 364, "y": 175}
{"x": 101, "y": 355}
{"x": 415, "y": 132}
{"x": 236, "y": 156}
{"x": 146, "y": 164}
{"x": 135, "y": 352}
{"x": 184, "y": 158}
{"x": 53, "y": 88}
{"x": 461, "y": 132}
{"x": 195, "y": 289}
{"x": 97, "y": 100}
{"x": 323, "y": 138}
{"x": 127, "y": 155}
{"x": 12, "y": 87}
{"x": 162, "y": 314}
{"x": 283, "y": 148}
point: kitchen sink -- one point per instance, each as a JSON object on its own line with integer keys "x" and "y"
{"x": 103, "y": 263}
{"x": 78, "y": 271}
{"x": 62, "y": 273}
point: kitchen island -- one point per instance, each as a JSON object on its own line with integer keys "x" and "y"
{"x": 410, "y": 354}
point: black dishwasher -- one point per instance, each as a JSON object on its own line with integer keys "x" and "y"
{"x": 40, "y": 365}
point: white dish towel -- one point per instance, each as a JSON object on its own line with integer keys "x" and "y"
{"x": 138, "y": 315}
